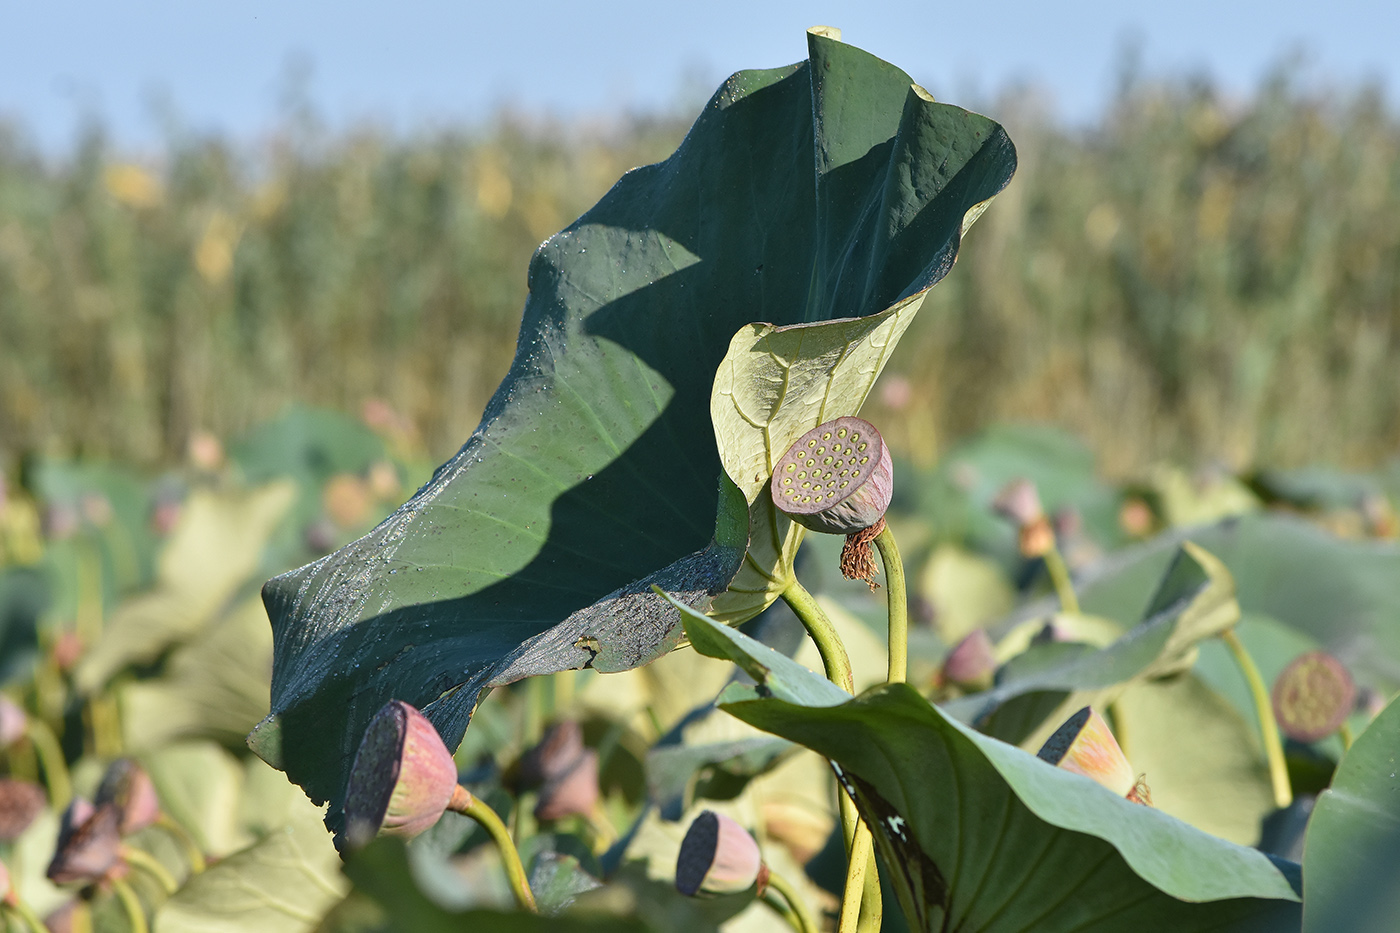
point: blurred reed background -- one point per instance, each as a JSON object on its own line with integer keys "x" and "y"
{"x": 1193, "y": 279}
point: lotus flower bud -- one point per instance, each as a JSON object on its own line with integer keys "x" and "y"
{"x": 718, "y": 856}
{"x": 972, "y": 662}
{"x": 402, "y": 779}
{"x": 1313, "y": 697}
{"x": 1085, "y": 745}
{"x": 837, "y": 478}
{"x": 1019, "y": 503}
{"x": 13, "y": 722}
{"x": 21, "y": 802}
{"x": 128, "y": 787}
{"x": 89, "y": 843}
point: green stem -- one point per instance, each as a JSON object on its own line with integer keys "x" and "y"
{"x": 862, "y": 855}
{"x": 132, "y": 903}
{"x": 898, "y": 603}
{"x": 1059, "y": 576}
{"x": 1264, "y": 707}
{"x": 795, "y": 912}
{"x": 183, "y": 837}
{"x": 26, "y": 913}
{"x": 1347, "y": 736}
{"x": 466, "y": 803}
{"x": 148, "y": 863}
{"x": 828, "y": 642}
{"x": 55, "y": 767}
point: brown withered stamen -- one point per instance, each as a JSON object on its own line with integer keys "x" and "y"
{"x": 858, "y": 557}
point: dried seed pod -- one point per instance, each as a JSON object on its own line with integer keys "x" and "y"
{"x": 89, "y": 844}
{"x": 21, "y": 802}
{"x": 717, "y": 856}
{"x": 128, "y": 787}
{"x": 402, "y": 779}
{"x": 837, "y": 478}
{"x": 1313, "y": 697}
{"x": 1085, "y": 745}
{"x": 972, "y": 662}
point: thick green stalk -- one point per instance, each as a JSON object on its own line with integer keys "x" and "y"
{"x": 1264, "y": 707}
{"x": 183, "y": 837}
{"x": 828, "y": 642}
{"x": 134, "y": 911}
{"x": 861, "y": 862}
{"x": 796, "y": 912}
{"x": 26, "y": 913}
{"x": 466, "y": 803}
{"x": 898, "y": 605}
{"x": 51, "y": 757}
{"x": 144, "y": 860}
{"x": 1059, "y": 576}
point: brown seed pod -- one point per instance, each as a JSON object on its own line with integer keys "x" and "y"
{"x": 1313, "y": 697}
{"x": 836, "y": 479}
{"x": 128, "y": 787}
{"x": 21, "y": 802}
{"x": 89, "y": 844}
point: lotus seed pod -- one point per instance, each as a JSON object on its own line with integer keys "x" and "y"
{"x": 836, "y": 479}
{"x": 718, "y": 856}
{"x": 1019, "y": 503}
{"x": 128, "y": 787}
{"x": 972, "y": 662}
{"x": 1085, "y": 745}
{"x": 89, "y": 844}
{"x": 1313, "y": 697}
{"x": 556, "y": 754}
{"x": 402, "y": 779}
{"x": 13, "y": 722}
{"x": 75, "y": 916}
{"x": 573, "y": 793}
{"x": 21, "y": 802}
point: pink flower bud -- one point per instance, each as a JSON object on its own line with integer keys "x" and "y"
{"x": 402, "y": 779}
{"x": 13, "y": 722}
{"x": 1313, "y": 697}
{"x": 836, "y": 479}
{"x": 972, "y": 662}
{"x": 21, "y": 802}
{"x": 128, "y": 787}
{"x": 89, "y": 844}
{"x": 1085, "y": 745}
{"x": 718, "y": 856}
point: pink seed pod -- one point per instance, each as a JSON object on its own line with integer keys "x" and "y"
{"x": 1313, "y": 697}
{"x": 557, "y": 752}
{"x": 718, "y": 856}
{"x": 21, "y": 802}
{"x": 89, "y": 844}
{"x": 402, "y": 779}
{"x": 1085, "y": 745}
{"x": 13, "y": 722}
{"x": 972, "y": 662}
{"x": 573, "y": 793}
{"x": 128, "y": 787}
{"x": 836, "y": 479}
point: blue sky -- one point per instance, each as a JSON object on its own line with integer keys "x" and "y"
{"x": 227, "y": 66}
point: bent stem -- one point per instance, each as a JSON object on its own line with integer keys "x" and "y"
{"x": 814, "y": 619}
{"x": 51, "y": 757}
{"x": 1273, "y": 745}
{"x": 149, "y": 864}
{"x": 31, "y": 919}
{"x": 789, "y": 904}
{"x": 898, "y": 605}
{"x": 134, "y": 912}
{"x": 468, "y": 804}
{"x": 183, "y": 837}
{"x": 1059, "y": 576}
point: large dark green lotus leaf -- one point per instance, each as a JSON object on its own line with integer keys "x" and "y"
{"x": 984, "y": 836}
{"x": 830, "y": 188}
{"x": 1352, "y": 847}
{"x": 1343, "y": 594}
